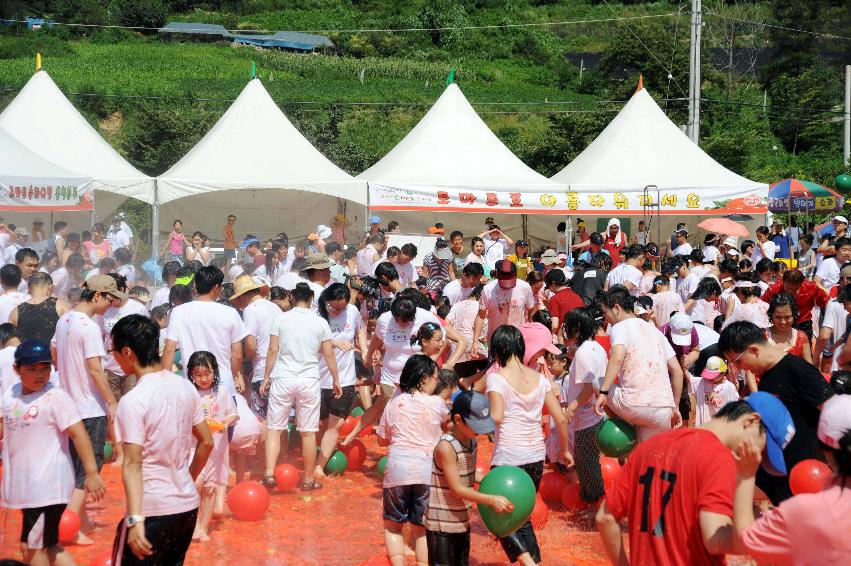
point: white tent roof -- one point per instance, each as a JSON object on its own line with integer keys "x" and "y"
{"x": 45, "y": 121}
{"x": 641, "y": 147}
{"x": 254, "y": 146}
{"x": 18, "y": 162}
{"x": 451, "y": 147}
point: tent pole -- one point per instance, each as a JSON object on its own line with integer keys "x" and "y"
{"x": 523, "y": 222}
{"x": 155, "y": 223}
{"x": 568, "y": 239}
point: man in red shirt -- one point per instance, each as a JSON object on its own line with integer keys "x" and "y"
{"x": 563, "y": 300}
{"x": 807, "y": 295}
{"x": 615, "y": 241}
{"x": 677, "y": 488}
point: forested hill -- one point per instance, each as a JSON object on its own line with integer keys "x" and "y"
{"x": 772, "y": 103}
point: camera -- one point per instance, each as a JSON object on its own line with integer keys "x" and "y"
{"x": 370, "y": 288}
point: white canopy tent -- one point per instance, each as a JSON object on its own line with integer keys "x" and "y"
{"x": 30, "y": 183}
{"x": 241, "y": 166}
{"x": 643, "y": 164}
{"x": 42, "y": 119}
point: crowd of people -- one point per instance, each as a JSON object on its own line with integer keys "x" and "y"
{"x": 728, "y": 359}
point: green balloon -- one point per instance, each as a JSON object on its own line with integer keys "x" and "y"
{"x": 616, "y": 438}
{"x": 337, "y": 464}
{"x": 382, "y": 465}
{"x": 843, "y": 183}
{"x": 107, "y": 451}
{"x": 514, "y": 484}
{"x": 357, "y": 411}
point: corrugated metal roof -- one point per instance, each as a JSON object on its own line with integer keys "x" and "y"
{"x": 286, "y": 39}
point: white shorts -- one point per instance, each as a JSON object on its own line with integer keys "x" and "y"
{"x": 304, "y": 394}
{"x": 648, "y": 421}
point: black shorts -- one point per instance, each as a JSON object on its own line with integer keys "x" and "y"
{"x": 169, "y": 535}
{"x": 40, "y": 528}
{"x": 96, "y": 429}
{"x": 448, "y": 549}
{"x": 406, "y": 503}
{"x": 338, "y": 407}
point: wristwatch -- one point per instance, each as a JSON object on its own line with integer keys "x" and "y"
{"x": 132, "y": 520}
{"x": 604, "y": 391}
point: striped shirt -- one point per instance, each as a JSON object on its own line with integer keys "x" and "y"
{"x": 448, "y": 513}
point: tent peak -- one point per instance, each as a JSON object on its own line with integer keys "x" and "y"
{"x": 640, "y": 85}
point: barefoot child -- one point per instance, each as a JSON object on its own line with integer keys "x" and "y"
{"x": 557, "y": 366}
{"x": 219, "y": 408}
{"x": 410, "y": 426}
{"x": 452, "y": 479}
{"x": 38, "y": 476}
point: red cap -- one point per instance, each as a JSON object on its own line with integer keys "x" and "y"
{"x": 506, "y": 273}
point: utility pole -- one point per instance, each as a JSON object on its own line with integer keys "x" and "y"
{"x": 694, "y": 71}
{"x": 847, "y": 152}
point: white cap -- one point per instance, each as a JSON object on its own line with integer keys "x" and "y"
{"x": 835, "y": 420}
{"x": 840, "y": 219}
{"x": 731, "y": 241}
{"x": 323, "y": 231}
{"x": 681, "y": 326}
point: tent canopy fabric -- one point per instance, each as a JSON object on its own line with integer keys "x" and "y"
{"x": 452, "y": 161}
{"x": 254, "y": 146}
{"x": 30, "y": 182}
{"x": 44, "y": 120}
{"x": 642, "y": 147}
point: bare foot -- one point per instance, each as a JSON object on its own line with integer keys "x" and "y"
{"x": 83, "y": 540}
{"x": 202, "y": 536}
{"x": 318, "y": 472}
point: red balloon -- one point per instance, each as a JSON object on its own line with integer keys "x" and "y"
{"x": 348, "y": 426}
{"x": 355, "y": 455}
{"x": 809, "y": 476}
{"x": 102, "y": 559}
{"x": 570, "y": 498}
{"x": 540, "y": 513}
{"x": 287, "y": 476}
{"x": 248, "y": 501}
{"x": 611, "y": 470}
{"x": 552, "y": 485}
{"x": 69, "y": 526}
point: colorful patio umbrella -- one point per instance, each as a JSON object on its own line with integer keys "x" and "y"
{"x": 805, "y": 196}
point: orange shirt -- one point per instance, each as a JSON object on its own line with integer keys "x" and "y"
{"x": 230, "y": 244}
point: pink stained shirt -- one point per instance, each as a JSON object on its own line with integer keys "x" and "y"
{"x": 216, "y": 406}
{"x": 411, "y": 423}
{"x": 158, "y": 415}
{"x": 519, "y": 439}
{"x": 506, "y": 306}
{"x": 664, "y": 304}
{"x": 78, "y": 339}
{"x": 462, "y": 317}
{"x": 37, "y": 468}
{"x": 807, "y": 530}
{"x": 644, "y": 374}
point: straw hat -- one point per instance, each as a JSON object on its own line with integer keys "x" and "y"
{"x": 246, "y": 283}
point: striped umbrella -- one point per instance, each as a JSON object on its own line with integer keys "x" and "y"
{"x": 805, "y": 196}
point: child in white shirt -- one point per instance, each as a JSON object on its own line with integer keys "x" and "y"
{"x": 713, "y": 391}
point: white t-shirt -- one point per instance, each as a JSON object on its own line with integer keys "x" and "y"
{"x": 519, "y": 439}
{"x": 234, "y": 271}
{"x": 117, "y": 239}
{"x": 407, "y": 273}
{"x": 287, "y": 262}
{"x": 8, "y": 302}
{"x": 644, "y": 376}
{"x": 8, "y": 375}
{"x": 37, "y": 468}
{"x": 710, "y": 253}
{"x": 160, "y": 297}
{"x": 344, "y": 326}
{"x": 107, "y": 322}
{"x": 769, "y": 249}
{"x": 829, "y": 273}
{"x": 473, "y": 258}
{"x": 397, "y": 342}
{"x": 289, "y": 280}
{"x": 259, "y": 316}
{"x": 495, "y": 250}
{"x": 710, "y": 397}
{"x": 205, "y": 325}
{"x": 706, "y": 336}
{"x": 455, "y": 292}
{"x": 128, "y": 271}
{"x": 61, "y": 283}
{"x": 625, "y": 273}
{"x": 301, "y": 334}
{"x": 363, "y": 260}
{"x": 683, "y": 249}
{"x": 247, "y": 430}
{"x": 836, "y": 318}
{"x": 158, "y": 414}
{"x": 588, "y": 366}
{"x": 506, "y": 306}
{"x": 77, "y": 339}
{"x": 10, "y": 251}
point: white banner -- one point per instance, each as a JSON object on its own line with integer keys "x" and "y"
{"x": 16, "y": 194}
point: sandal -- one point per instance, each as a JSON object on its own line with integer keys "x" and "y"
{"x": 310, "y": 486}
{"x": 270, "y": 482}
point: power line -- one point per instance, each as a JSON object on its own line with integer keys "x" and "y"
{"x": 370, "y": 30}
{"x": 775, "y": 26}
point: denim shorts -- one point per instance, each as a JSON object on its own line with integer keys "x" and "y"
{"x": 406, "y": 503}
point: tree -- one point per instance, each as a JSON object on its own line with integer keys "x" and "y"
{"x": 139, "y": 13}
{"x": 793, "y": 52}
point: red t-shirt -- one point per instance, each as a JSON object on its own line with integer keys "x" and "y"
{"x": 809, "y": 295}
{"x": 562, "y": 303}
{"x": 666, "y": 483}
{"x": 614, "y": 249}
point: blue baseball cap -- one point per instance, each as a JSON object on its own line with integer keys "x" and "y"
{"x": 778, "y": 426}
{"x": 474, "y": 408}
{"x": 374, "y": 220}
{"x": 31, "y": 352}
